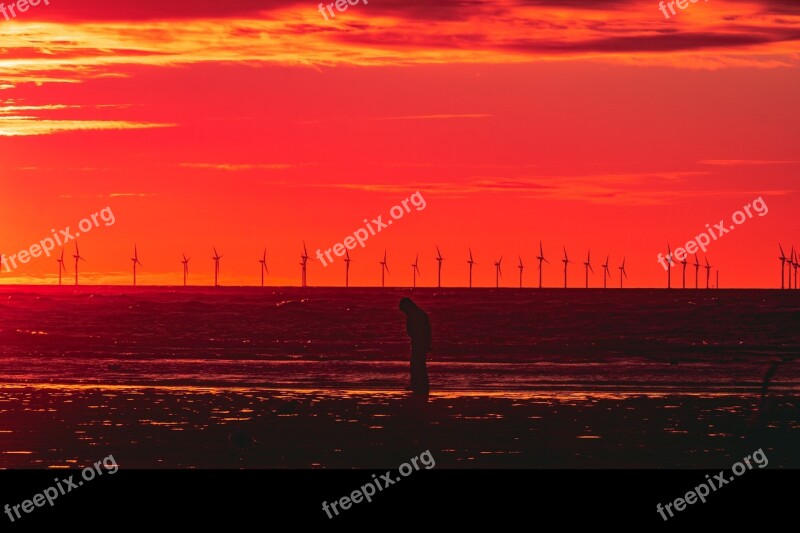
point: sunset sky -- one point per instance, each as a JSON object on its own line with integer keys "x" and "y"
{"x": 254, "y": 124}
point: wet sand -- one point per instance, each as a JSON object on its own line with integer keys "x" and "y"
{"x": 57, "y": 426}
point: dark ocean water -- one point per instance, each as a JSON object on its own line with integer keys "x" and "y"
{"x": 506, "y": 340}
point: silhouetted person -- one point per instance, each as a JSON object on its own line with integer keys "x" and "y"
{"x": 419, "y": 329}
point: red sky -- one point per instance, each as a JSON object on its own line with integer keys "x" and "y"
{"x": 259, "y": 124}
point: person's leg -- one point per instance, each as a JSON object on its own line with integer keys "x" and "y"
{"x": 419, "y": 373}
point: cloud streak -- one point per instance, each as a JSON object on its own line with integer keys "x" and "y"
{"x": 88, "y": 39}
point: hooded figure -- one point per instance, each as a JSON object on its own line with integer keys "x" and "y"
{"x": 419, "y": 329}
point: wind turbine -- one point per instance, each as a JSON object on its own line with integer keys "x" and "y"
{"x": 684, "y": 263}
{"x": 795, "y": 264}
{"x": 384, "y": 269}
{"x": 77, "y": 257}
{"x": 789, "y": 264}
{"x": 264, "y": 268}
{"x": 185, "y": 269}
{"x": 471, "y": 263}
{"x": 440, "y": 259}
{"x": 696, "y": 270}
{"x": 415, "y": 270}
{"x": 541, "y": 258}
{"x": 61, "y": 266}
{"x": 303, "y": 264}
{"x": 621, "y": 272}
{"x": 669, "y": 268}
{"x": 606, "y": 273}
{"x": 566, "y": 262}
{"x": 588, "y": 266}
{"x": 136, "y": 261}
{"x": 783, "y": 260}
{"x": 216, "y": 259}
{"x": 498, "y": 273}
{"x": 347, "y": 268}
{"x": 521, "y": 267}
{"x": 708, "y": 272}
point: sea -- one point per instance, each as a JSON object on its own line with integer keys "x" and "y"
{"x": 484, "y": 340}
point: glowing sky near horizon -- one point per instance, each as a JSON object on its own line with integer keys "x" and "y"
{"x": 259, "y": 124}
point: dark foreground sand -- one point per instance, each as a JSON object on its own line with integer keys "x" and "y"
{"x": 54, "y": 426}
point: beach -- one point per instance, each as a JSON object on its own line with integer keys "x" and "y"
{"x": 163, "y": 378}
{"x": 235, "y": 428}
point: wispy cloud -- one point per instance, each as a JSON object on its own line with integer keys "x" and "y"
{"x": 748, "y": 162}
{"x": 12, "y": 126}
{"x": 659, "y": 188}
{"x": 110, "y": 195}
{"x": 232, "y": 167}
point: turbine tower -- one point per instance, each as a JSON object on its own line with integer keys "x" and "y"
{"x": 347, "y": 268}
{"x": 498, "y": 272}
{"x": 136, "y": 261}
{"x": 622, "y": 272}
{"x": 684, "y": 263}
{"x": 77, "y": 257}
{"x": 185, "y": 269}
{"x": 264, "y": 268}
{"x": 384, "y": 269}
{"x": 566, "y": 262}
{"x": 471, "y": 262}
{"x": 440, "y": 259}
{"x": 783, "y": 260}
{"x": 541, "y": 258}
{"x": 521, "y": 267}
{"x": 216, "y": 259}
{"x": 708, "y": 273}
{"x": 669, "y": 268}
{"x": 696, "y": 271}
{"x": 588, "y": 266}
{"x": 304, "y": 264}
{"x": 61, "y": 267}
{"x": 415, "y": 270}
{"x": 606, "y": 273}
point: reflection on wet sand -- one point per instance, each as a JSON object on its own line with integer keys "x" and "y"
{"x": 60, "y": 426}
